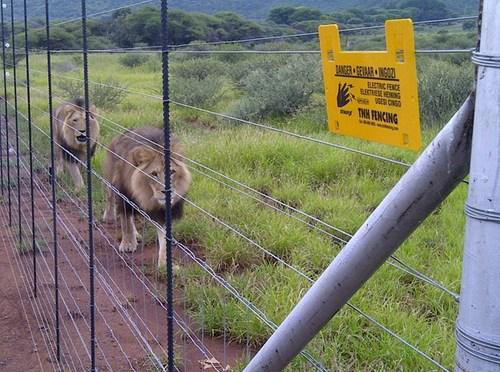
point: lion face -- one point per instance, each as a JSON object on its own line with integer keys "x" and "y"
{"x": 148, "y": 177}
{"x": 74, "y": 126}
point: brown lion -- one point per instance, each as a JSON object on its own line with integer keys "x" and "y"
{"x": 70, "y": 134}
{"x": 135, "y": 167}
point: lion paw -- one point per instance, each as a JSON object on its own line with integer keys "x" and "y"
{"x": 128, "y": 246}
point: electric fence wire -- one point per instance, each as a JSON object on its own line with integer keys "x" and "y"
{"x": 93, "y": 15}
{"x": 70, "y": 314}
{"x": 43, "y": 193}
{"x": 76, "y": 244}
{"x": 398, "y": 263}
{"x": 63, "y": 220}
{"x": 309, "y": 34}
{"x": 190, "y": 334}
{"x": 34, "y": 302}
{"x": 262, "y": 52}
{"x": 63, "y": 323}
{"x": 21, "y": 299}
{"x": 154, "y": 223}
{"x": 230, "y": 118}
{"x": 300, "y": 273}
{"x": 255, "y": 39}
{"x": 243, "y": 121}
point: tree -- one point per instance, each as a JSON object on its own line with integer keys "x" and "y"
{"x": 427, "y": 9}
{"x": 304, "y": 14}
{"x": 281, "y": 15}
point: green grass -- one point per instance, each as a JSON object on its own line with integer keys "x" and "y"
{"x": 339, "y": 187}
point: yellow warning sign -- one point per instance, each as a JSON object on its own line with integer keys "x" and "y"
{"x": 373, "y": 94}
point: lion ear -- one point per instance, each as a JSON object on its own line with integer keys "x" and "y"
{"x": 142, "y": 155}
{"x": 68, "y": 109}
{"x": 93, "y": 110}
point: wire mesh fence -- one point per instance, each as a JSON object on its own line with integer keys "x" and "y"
{"x": 160, "y": 301}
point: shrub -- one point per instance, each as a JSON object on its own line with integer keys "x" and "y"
{"x": 133, "y": 59}
{"x": 469, "y": 25}
{"x": 279, "y": 91}
{"x": 443, "y": 87}
{"x": 198, "y": 68}
{"x": 153, "y": 64}
{"x": 64, "y": 67}
{"x": 77, "y": 59}
{"x": 239, "y": 71}
{"x": 196, "y": 92}
{"x": 105, "y": 93}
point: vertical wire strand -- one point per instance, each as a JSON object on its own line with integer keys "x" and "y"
{"x": 16, "y": 117}
{"x": 89, "y": 188}
{"x": 30, "y": 142}
{"x": 7, "y": 149}
{"x": 53, "y": 181}
{"x": 168, "y": 191}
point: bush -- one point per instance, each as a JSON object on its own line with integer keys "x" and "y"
{"x": 443, "y": 87}
{"x": 105, "y": 93}
{"x": 133, "y": 59}
{"x": 153, "y": 64}
{"x": 196, "y": 92}
{"x": 199, "y": 68}
{"x": 63, "y": 67}
{"x": 469, "y": 25}
{"x": 281, "y": 90}
{"x": 239, "y": 71}
{"x": 77, "y": 59}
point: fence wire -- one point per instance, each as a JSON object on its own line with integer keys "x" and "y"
{"x": 71, "y": 345}
{"x": 205, "y": 266}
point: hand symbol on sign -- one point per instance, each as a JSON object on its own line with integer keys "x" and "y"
{"x": 343, "y": 95}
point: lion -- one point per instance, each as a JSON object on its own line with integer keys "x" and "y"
{"x": 69, "y": 129}
{"x": 135, "y": 167}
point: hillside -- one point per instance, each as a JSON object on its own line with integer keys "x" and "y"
{"x": 255, "y": 9}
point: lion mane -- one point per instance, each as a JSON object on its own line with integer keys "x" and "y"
{"x": 135, "y": 167}
{"x": 70, "y": 134}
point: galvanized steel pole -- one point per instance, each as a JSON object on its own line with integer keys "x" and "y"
{"x": 478, "y": 324}
{"x": 426, "y": 184}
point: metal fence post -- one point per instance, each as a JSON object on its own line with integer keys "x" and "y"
{"x": 478, "y": 324}
{"x": 16, "y": 117}
{"x": 5, "y": 99}
{"x": 53, "y": 181}
{"x": 168, "y": 185}
{"x": 89, "y": 190}
{"x": 30, "y": 141}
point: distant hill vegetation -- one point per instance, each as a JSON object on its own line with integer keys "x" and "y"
{"x": 254, "y": 9}
{"x": 142, "y": 26}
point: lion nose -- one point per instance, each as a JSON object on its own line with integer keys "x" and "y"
{"x": 82, "y": 131}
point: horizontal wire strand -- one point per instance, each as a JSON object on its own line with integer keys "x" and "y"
{"x": 423, "y": 354}
{"x": 21, "y": 300}
{"x": 36, "y": 306}
{"x": 85, "y": 259}
{"x": 398, "y": 263}
{"x": 123, "y": 196}
{"x": 261, "y": 52}
{"x": 179, "y": 321}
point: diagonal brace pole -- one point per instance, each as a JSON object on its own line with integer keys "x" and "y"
{"x": 438, "y": 170}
